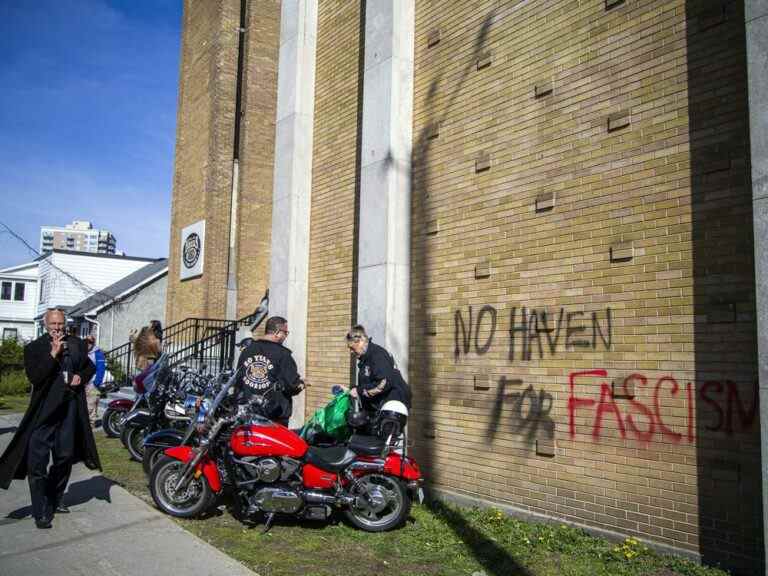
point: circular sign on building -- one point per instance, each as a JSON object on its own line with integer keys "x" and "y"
{"x": 192, "y": 250}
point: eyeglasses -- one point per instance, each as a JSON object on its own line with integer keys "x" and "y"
{"x": 286, "y": 332}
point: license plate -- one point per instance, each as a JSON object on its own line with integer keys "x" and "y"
{"x": 420, "y": 495}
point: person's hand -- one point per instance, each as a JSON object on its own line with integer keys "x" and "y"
{"x": 76, "y": 381}
{"x": 353, "y": 392}
{"x": 57, "y": 344}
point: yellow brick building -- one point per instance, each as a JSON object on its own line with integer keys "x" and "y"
{"x": 562, "y": 194}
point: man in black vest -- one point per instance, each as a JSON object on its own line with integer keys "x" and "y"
{"x": 56, "y": 421}
{"x": 270, "y": 372}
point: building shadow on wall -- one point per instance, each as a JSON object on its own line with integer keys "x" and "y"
{"x": 729, "y": 499}
{"x": 495, "y": 560}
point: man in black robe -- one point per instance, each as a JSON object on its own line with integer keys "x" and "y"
{"x": 56, "y": 421}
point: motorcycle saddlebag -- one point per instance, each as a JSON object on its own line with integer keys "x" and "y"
{"x": 366, "y": 445}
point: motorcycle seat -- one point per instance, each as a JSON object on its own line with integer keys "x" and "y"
{"x": 366, "y": 445}
{"x": 333, "y": 459}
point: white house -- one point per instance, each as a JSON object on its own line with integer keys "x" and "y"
{"x": 126, "y": 305}
{"x": 18, "y": 301}
{"x": 67, "y": 278}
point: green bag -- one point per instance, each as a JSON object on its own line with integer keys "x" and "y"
{"x": 331, "y": 419}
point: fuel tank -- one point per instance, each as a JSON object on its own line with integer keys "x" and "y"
{"x": 267, "y": 440}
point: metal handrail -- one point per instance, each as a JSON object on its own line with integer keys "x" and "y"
{"x": 201, "y": 342}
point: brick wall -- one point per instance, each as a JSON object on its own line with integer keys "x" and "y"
{"x": 334, "y": 182}
{"x": 582, "y": 222}
{"x": 257, "y": 153}
{"x": 203, "y": 166}
{"x": 204, "y": 154}
{"x": 583, "y": 330}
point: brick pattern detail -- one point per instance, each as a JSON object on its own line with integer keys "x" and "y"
{"x": 334, "y": 170}
{"x": 203, "y": 167}
{"x": 675, "y": 458}
{"x": 645, "y": 366}
{"x": 257, "y": 151}
{"x": 204, "y": 138}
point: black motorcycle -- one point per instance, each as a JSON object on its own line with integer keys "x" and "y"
{"x": 168, "y": 405}
{"x": 157, "y": 441}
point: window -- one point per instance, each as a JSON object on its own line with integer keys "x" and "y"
{"x": 10, "y": 334}
{"x": 5, "y": 291}
{"x": 18, "y": 291}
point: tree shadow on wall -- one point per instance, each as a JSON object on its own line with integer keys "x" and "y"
{"x": 728, "y": 500}
{"x": 495, "y": 560}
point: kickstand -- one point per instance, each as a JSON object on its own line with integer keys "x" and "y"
{"x": 268, "y": 522}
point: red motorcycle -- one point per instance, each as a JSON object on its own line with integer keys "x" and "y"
{"x": 271, "y": 470}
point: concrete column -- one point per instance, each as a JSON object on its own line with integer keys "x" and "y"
{"x": 756, "y": 12}
{"x": 385, "y": 183}
{"x": 293, "y": 178}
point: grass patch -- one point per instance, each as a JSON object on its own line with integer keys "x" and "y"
{"x": 13, "y": 404}
{"x": 440, "y": 540}
{"x": 14, "y": 383}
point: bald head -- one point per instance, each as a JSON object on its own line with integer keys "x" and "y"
{"x": 54, "y": 322}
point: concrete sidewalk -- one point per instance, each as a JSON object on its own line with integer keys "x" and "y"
{"x": 109, "y": 532}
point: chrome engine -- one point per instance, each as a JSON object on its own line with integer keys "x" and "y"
{"x": 267, "y": 470}
{"x": 254, "y": 471}
{"x": 277, "y": 499}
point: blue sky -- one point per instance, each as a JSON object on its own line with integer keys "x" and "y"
{"x": 88, "y": 93}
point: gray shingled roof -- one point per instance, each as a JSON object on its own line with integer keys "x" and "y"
{"x": 123, "y": 286}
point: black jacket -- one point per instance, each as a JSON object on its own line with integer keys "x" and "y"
{"x": 49, "y": 391}
{"x": 269, "y": 371}
{"x": 379, "y": 380}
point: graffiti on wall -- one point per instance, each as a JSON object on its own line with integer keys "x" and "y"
{"x": 533, "y": 333}
{"x": 537, "y": 333}
{"x": 530, "y": 407}
{"x": 730, "y": 413}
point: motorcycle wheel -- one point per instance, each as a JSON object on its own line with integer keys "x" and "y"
{"x": 151, "y": 456}
{"x": 133, "y": 439}
{"x": 110, "y": 423}
{"x": 191, "y": 502}
{"x": 382, "y": 503}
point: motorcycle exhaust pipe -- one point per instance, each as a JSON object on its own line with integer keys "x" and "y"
{"x": 320, "y": 498}
{"x": 311, "y": 497}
